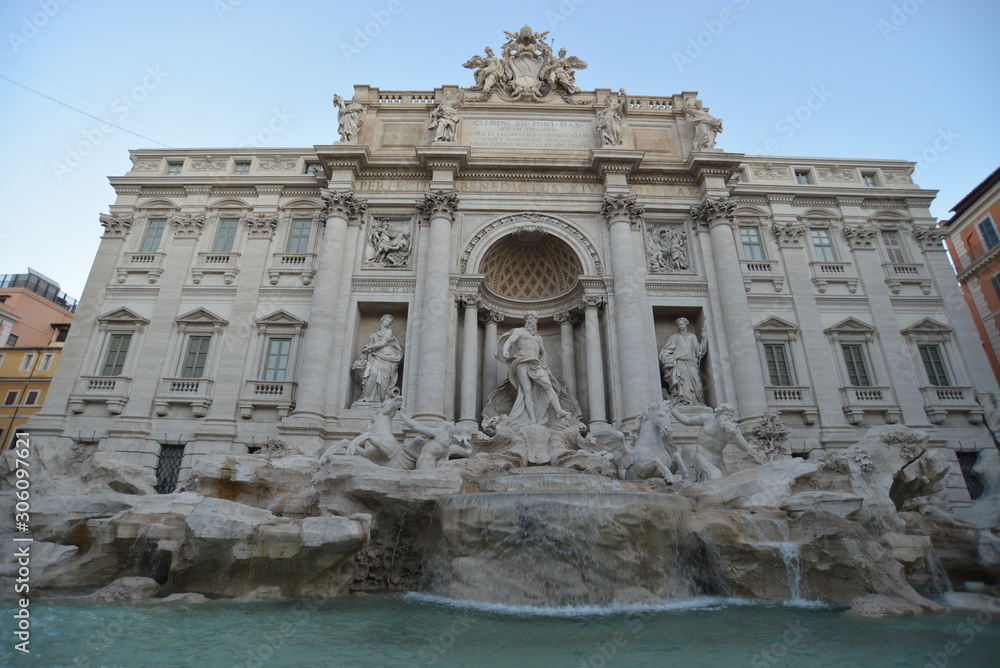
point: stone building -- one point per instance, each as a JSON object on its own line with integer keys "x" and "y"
{"x": 234, "y": 289}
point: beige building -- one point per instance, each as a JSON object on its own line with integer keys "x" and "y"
{"x": 234, "y": 289}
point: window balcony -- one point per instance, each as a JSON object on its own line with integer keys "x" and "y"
{"x": 150, "y": 264}
{"x": 216, "y": 263}
{"x": 898, "y": 275}
{"x": 824, "y": 273}
{"x": 940, "y": 400}
{"x": 857, "y": 400}
{"x": 762, "y": 270}
{"x": 193, "y": 392}
{"x": 110, "y": 390}
{"x": 793, "y": 399}
{"x": 267, "y": 394}
{"x": 300, "y": 264}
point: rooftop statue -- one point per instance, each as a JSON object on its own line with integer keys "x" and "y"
{"x": 350, "y": 118}
{"x": 706, "y": 126}
{"x": 444, "y": 119}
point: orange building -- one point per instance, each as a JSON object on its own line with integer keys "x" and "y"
{"x": 25, "y": 374}
{"x": 974, "y": 244}
{"x": 39, "y": 306}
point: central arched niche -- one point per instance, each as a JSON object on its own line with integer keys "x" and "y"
{"x": 530, "y": 266}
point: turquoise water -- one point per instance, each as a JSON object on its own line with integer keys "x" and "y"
{"x": 414, "y": 630}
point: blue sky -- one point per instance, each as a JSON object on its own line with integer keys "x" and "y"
{"x": 900, "y": 79}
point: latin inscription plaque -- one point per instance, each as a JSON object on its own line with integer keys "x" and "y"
{"x": 509, "y": 133}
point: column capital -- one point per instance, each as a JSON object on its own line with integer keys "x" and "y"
{"x": 789, "y": 234}
{"x": 116, "y": 226}
{"x": 187, "y": 225}
{"x": 261, "y": 225}
{"x": 566, "y": 317}
{"x": 714, "y": 211}
{"x": 438, "y": 204}
{"x": 929, "y": 238}
{"x": 490, "y": 315}
{"x": 860, "y": 236}
{"x": 343, "y": 204}
{"x": 622, "y": 208}
{"x": 594, "y": 301}
{"x": 469, "y": 301}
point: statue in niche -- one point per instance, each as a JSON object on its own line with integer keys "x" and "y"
{"x": 438, "y": 444}
{"x": 380, "y": 359}
{"x": 559, "y": 72}
{"x": 522, "y": 351}
{"x": 444, "y": 119}
{"x": 609, "y": 120}
{"x": 490, "y": 72}
{"x": 706, "y": 126}
{"x": 377, "y": 443}
{"x": 350, "y": 118}
{"x": 389, "y": 245}
{"x": 718, "y": 429}
{"x": 681, "y": 361}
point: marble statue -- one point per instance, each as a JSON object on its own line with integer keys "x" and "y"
{"x": 666, "y": 250}
{"x": 681, "y": 361}
{"x": 652, "y": 453}
{"x": 559, "y": 72}
{"x": 490, "y": 72}
{"x": 717, "y": 430}
{"x": 609, "y": 121}
{"x": 389, "y": 245}
{"x": 377, "y": 443}
{"x": 706, "y": 126}
{"x": 350, "y": 118}
{"x": 437, "y": 444}
{"x": 444, "y": 119}
{"x": 522, "y": 351}
{"x": 380, "y": 358}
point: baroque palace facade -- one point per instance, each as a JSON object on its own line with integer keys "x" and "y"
{"x": 235, "y": 289}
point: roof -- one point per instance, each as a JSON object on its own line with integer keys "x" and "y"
{"x": 975, "y": 194}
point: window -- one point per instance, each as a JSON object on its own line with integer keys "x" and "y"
{"x": 154, "y": 232}
{"x": 893, "y": 247}
{"x": 298, "y": 241}
{"x": 168, "y": 468}
{"x": 870, "y": 179}
{"x": 46, "y": 362}
{"x": 11, "y": 398}
{"x": 194, "y": 359}
{"x": 996, "y": 284}
{"x": 779, "y": 369}
{"x": 823, "y": 244}
{"x": 226, "y": 236}
{"x": 174, "y": 168}
{"x": 937, "y": 373}
{"x": 32, "y": 398}
{"x": 61, "y": 334}
{"x": 241, "y": 167}
{"x": 803, "y": 177}
{"x": 114, "y": 360}
{"x": 989, "y": 233}
{"x": 857, "y": 365}
{"x": 27, "y": 362}
{"x": 276, "y": 365}
{"x": 12, "y": 340}
{"x": 752, "y": 248}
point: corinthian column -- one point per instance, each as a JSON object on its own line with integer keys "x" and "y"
{"x": 435, "y": 308}
{"x": 490, "y": 319}
{"x": 633, "y": 317}
{"x": 566, "y": 321}
{"x": 340, "y": 208}
{"x": 595, "y": 364}
{"x": 743, "y": 361}
{"x": 470, "y": 361}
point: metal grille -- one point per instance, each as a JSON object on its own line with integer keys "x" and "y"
{"x": 966, "y": 460}
{"x": 168, "y": 468}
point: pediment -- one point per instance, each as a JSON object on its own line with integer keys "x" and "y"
{"x": 123, "y": 315}
{"x": 281, "y": 317}
{"x": 851, "y": 326}
{"x": 928, "y": 327}
{"x": 201, "y": 316}
{"x": 776, "y": 324}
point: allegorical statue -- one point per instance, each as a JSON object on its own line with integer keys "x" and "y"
{"x": 350, "y": 118}
{"x": 681, "y": 361}
{"x": 559, "y": 72}
{"x": 609, "y": 121}
{"x": 717, "y": 430}
{"x": 706, "y": 126}
{"x": 380, "y": 357}
{"x": 490, "y": 71}
{"x": 522, "y": 351}
{"x": 444, "y": 119}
